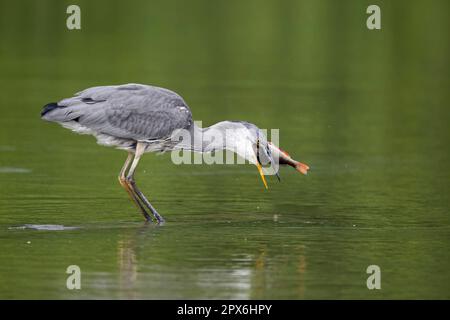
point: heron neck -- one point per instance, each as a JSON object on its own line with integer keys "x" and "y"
{"x": 207, "y": 139}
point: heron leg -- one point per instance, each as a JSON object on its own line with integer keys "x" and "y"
{"x": 124, "y": 184}
{"x": 140, "y": 148}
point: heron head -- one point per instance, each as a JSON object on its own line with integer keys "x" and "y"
{"x": 252, "y": 145}
{"x": 265, "y": 160}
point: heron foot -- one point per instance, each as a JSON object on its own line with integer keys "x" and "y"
{"x": 123, "y": 182}
{"x": 159, "y": 219}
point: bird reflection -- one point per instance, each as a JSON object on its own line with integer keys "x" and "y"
{"x": 127, "y": 261}
{"x": 126, "y": 258}
{"x": 269, "y": 269}
{"x": 259, "y": 271}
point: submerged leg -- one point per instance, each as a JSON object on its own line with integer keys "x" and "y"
{"x": 140, "y": 148}
{"x": 124, "y": 184}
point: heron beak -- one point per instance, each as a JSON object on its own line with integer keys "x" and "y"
{"x": 262, "y": 175}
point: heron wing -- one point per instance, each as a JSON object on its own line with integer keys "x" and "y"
{"x": 131, "y": 111}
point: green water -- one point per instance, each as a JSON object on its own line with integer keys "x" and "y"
{"x": 367, "y": 110}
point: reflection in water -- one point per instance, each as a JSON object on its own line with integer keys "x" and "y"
{"x": 252, "y": 274}
{"x": 259, "y": 276}
{"x": 301, "y": 269}
{"x": 127, "y": 261}
{"x": 126, "y": 258}
{"x": 269, "y": 268}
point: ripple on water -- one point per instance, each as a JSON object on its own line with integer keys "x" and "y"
{"x": 46, "y": 227}
{"x": 14, "y": 170}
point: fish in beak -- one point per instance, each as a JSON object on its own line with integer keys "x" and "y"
{"x": 284, "y": 158}
{"x": 272, "y": 152}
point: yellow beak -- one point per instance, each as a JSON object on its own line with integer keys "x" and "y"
{"x": 262, "y": 175}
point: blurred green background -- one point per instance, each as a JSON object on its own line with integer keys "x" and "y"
{"x": 367, "y": 110}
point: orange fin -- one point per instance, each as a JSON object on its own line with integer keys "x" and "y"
{"x": 301, "y": 167}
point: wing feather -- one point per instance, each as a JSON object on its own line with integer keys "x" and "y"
{"x": 130, "y": 111}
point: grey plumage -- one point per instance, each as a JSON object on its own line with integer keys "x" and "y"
{"x": 123, "y": 114}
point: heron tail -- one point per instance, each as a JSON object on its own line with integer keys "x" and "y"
{"x": 57, "y": 113}
{"x": 48, "y": 110}
{"x": 49, "y": 107}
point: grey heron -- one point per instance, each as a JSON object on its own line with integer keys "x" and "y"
{"x": 140, "y": 118}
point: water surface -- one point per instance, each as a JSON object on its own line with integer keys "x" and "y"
{"x": 367, "y": 110}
